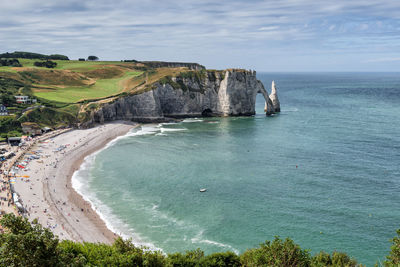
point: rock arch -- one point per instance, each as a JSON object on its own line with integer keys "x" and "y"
{"x": 207, "y": 112}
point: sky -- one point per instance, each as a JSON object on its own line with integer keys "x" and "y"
{"x": 273, "y": 36}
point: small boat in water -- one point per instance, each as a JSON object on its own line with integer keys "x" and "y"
{"x": 203, "y": 190}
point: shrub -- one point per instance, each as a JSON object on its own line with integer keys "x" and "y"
{"x": 10, "y": 62}
{"x": 394, "y": 257}
{"x": 26, "y": 244}
{"x": 47, "y": 64}
{"x": 324, "y": 259}
{"x": 276, "y": 253}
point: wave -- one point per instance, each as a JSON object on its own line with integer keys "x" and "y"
{"x": 166, "y": 123}
{"x": 80, "y": 182}
{"x": 290, "y": 110}
{"x": 199, "y": 239}
{"x": 192, "y": 120}
{"x": 172, "y": 129}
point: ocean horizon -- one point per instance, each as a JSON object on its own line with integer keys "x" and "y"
{"x": 324, "y": 172}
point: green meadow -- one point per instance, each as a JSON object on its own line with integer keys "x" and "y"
{"x": 102, "y": 88}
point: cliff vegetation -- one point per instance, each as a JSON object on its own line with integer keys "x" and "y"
{"x": 71, "y": 92}
{"x": 29, "y": 244}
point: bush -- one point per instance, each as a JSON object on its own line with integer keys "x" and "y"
{"x": 29, "y": 244}
{"x": 10, "y": 62}
{"x": 49, "y": 117}
{"x": 10, "y": 125}
{"x": 221, "y": 259}
{"x": 276, "y": 253}
{"x": 26, "y": 244}
{"x": 394, "y": 257}
{"x": 47, "y": 64}
{"x": 323, "y": 259}
{"x": 191, "y": 258}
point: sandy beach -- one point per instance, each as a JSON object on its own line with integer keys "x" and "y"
{"x": 44, "y": 186}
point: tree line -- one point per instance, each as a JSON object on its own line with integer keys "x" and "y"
{"x": 30, "y": 55}
{"x": 29, "y": 244}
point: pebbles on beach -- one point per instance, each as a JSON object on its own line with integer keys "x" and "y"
{"x": 47, "y": 194}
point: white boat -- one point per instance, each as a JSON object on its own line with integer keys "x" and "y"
{"x": 203, "y": 190}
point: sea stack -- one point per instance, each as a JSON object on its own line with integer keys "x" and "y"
{"x": 274, "y": 98}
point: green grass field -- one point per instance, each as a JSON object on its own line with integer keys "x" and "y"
{"x": 74, "y": 65}
{"x": 73, "y": 81}
{"x": 102, "y": 88}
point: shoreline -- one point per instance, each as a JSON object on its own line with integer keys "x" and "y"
{"x": 54, "y": 201}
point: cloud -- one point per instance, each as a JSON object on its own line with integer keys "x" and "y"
{"x": 387, "y": 59}
{"x": 199, "y": 30}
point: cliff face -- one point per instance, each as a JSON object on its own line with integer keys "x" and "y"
{"x": 211, "y": 93}
{"x": 163, "y": 64}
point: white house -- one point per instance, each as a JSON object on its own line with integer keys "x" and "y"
{"x": 3, "y": 110}
{"x": 24, "y": 99}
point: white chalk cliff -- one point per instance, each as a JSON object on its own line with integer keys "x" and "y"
{"x": 213, "y": 93}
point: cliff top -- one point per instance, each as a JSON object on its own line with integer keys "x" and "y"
{"x": 70, "y": 88}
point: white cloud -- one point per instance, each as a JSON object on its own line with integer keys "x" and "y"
{"x": 191, "y": 29}
{"x": 384, "y": 59}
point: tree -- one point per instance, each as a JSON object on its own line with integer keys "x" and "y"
{"x": 276, "y": 253}
{"x": 26, "y": 244}
{"x": 92, "y": 58}
{"x": 30, "y": 55}
{"x": 221, "y": 259}
{"x": 323, "y": 259}
{"x": 394, "y": 257}
{"x": 47, "y": 64}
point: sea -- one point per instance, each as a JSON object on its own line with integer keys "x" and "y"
{"x": 324, "y": 172}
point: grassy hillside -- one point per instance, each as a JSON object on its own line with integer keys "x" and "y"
{"x": 68, "y": 92}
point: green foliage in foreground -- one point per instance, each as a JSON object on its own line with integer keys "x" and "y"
{"x": 394, "y": 258}
{"x": 29, "y": 244}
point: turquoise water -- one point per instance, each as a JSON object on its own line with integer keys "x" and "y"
{"x": 342, "y": 131}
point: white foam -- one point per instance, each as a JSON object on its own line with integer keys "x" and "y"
{"x": 166, "y": 123}
{"x": 80, "y": 182}
{"x": 290, "y": 110}
{"x": 199, "y": 239}
{"x": 192, "y": 120}
{"x": 172, "y": 129}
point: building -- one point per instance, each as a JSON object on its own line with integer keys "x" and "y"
{"x": 31, "y": 128}
{"x": 14, "y": 141}
{"x": 3, "y": 110}
{"x": 23, "y": 99}
{"x": 46, "y": 129}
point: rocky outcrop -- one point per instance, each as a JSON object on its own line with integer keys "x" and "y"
{"x": 205, "y": 93}
{"x": 274, "y": 98}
